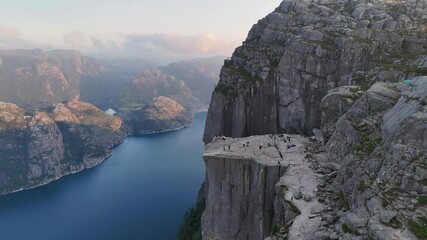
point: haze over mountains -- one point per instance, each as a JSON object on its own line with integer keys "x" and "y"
{"x": 49, "y": 127}
{"x": 36, "y": 79}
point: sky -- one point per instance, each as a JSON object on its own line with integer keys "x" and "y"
{"x": 163, "y": 29}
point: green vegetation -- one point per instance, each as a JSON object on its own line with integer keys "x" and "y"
{"x": 325, "y": 43}
{"x": 422, "y": 200}
{"x": 394, "y": 223}
{"x": 343, "y": 201}
{"x": 293, "y": 208}
{"x": 242, "y": 72}
{"x": 191, "y": 226}
{"x": 363, "y": 40}
{"x": 362, "y": 186}
{"x": 424, "y": 182}
{"x": 225, "y": 90}
{"x": 419, "y": 228}
{"x": 347, "y": 229}
{"x": 349, "y": 6}
{"x": 367, "y": 145}
{"x": 386, "y": 201}
{"x": 406, "y": 68}
{"x": 359, "y": 80}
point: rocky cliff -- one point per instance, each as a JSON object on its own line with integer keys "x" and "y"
{"x": 275, "y": 81}
{"x": 41, "y": 146}
{"x": 162, "y": 115}
{"x": 367, "y": 180}
{"x": 240, "y": 180}
{"x": 336, "y": 70}
{"x": 37, "y": 79}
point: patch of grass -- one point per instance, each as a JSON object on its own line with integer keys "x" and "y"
{"x": 372, "y": 179}
{"x": 349, "y": 6}
{"x": 325, "y": 43}
{"x": 424, "y": 182}
{"x": 422, "y": 200}
{"x": 347, "y": 229}
{"x": 406, "y": 68}
{"x": 419, "y": 228}
{"x": 343, "y": 201}
{"x": 293, "y": 208}
{"x": 225, "y": 90}
{"x": 242, "y": 72}
{"x": 367, "y": 145}
{"x": 394, "y": 223}
{"x": 363, "y": 40}
{"x": 362, "y": 186}
{"x": 386, "y": 201}
{"x": 359, "y": 79}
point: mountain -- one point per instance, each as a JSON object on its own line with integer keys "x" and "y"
{"x": 200, "y": 75}
{"x": 163, "y": 114}
{"x": 347, "y": 72}
{"x": 150, "y": 83}
{"x": 291, "y": 58}
{"x": 41, "y": 146}
{"x": 36, "y": 79}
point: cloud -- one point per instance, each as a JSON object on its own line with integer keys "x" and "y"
{"x": 77, "y": 40}
{"x": 177, "y": 43}
{"x": 8, "y": 32}
{"x": 160, "y": 47}
{"x": 10, "y": 38}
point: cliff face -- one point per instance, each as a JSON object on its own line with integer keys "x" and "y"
{"x": 368, "y": 181}
{"x": 333, "y": 69}
{"x": 42, "y": 146}
{"x": 275, "y": 81}
{"x": 37, "y": 79}
{"x": 163, "y": 114}
{"x": 240, "y": 188}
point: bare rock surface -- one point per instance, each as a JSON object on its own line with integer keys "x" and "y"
{"x": 41, "y": 146}
{"x": 291, "y": 58}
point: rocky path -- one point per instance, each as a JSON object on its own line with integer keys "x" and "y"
{"x": 302, "y": 182}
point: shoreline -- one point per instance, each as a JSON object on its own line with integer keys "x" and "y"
{"x": 90, "y": 167}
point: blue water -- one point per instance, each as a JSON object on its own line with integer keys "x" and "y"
{"x": 141, "y": 192}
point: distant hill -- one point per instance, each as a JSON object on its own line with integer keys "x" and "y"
{"x": 44, "y": 145}
{"x": 200, "y": 75}
{"x": 150, "y": 83}
{"x": 36, "y": 79}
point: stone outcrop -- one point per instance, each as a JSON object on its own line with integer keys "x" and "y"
{"x": 380, "y": 145}
{"x": 291, "y": 58}
{"x": 162, "y": 115}
{"x": 240, "y": 188}
{"x": 41, "y": 146}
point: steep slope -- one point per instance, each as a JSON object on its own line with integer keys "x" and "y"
{"x": 380, "y": 144}
{"x": 37, "y": 79}
{"x": 275, "y": 81}
{"x": 41, "y": 146}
